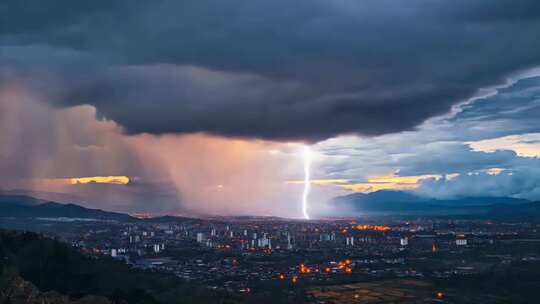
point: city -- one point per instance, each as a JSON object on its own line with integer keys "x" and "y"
{"x": 319, "y": 261}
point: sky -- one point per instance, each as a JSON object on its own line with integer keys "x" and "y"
{"x": 205, "y": 107}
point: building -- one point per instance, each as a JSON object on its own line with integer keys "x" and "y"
{"x": 201, "y": 237}
{"x": 461, "y": 242}
{"x": 404, "y": 241}
{"x": 264, "y": 242}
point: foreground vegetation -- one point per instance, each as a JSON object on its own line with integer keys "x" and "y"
{"x": 53, "y": 266}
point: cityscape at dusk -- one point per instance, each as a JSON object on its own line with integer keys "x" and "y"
{"x": 301, "y": 151}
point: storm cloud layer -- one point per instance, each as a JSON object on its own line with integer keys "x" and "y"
{"x": 279, "y": 70}
{"x": 487, "y": 147}
{"x": 205, "y": 105}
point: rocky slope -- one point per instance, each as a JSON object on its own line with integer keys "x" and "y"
{"x": 15, "y": 290}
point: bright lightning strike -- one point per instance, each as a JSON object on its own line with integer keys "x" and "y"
{"x": 307, "y": 181}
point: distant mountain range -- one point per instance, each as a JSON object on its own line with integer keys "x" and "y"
{"x": 19, "y": 200}
{"x": 45, "y": 196}
{"x": 403, "y": 202}
{"x": 22, "y": 206}
{"x": 16, "y": 205}
{"x": 384, "y": 202}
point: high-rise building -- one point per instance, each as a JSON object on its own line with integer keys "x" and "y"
{"x": 404, "y": 241}
{"x": 289, "y": 243}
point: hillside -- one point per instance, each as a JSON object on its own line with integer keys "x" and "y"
{"x": 16, "y": 290}
{"x": 19, "y": 200}
{"x": 53, "y": 267}
{"x": 19, "y": 206}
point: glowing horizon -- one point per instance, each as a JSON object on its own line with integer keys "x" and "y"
{"x": 117, "y": 180}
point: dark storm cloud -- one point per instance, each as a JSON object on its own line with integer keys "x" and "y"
{"x": 269, "y": 69}
{"x": 513, "y": 110}
{"x": 490, "y": 143}
{"x": 448, "y": 144}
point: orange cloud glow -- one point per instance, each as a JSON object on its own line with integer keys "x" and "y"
{"x": 367, "y": 187}
{"x": 402, "y": 180}
{"x": 375, "y": 183}
{"x": 524, "y": 145}
{"x": 117, "y": 180}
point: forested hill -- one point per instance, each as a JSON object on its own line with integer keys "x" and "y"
{"x": 54, "y": 266}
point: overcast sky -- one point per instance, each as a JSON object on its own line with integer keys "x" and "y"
{"x": 205, "y": 105}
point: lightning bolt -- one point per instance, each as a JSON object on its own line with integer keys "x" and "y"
{"x": 307, "y": 181}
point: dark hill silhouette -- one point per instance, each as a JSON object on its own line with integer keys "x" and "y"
{"x": 403, "y": 202}
{"x": 16, "y": 206}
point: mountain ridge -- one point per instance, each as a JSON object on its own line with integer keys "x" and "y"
{"x": 18, "y": 206}
{"x": 394, "y": 201}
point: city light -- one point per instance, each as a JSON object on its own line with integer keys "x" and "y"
{"x": 372, "y": 227}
